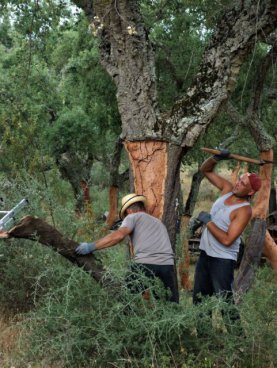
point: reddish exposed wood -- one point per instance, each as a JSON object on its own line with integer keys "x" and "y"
{"x": 113, "y": 201}
{"x": 270, "y": 250}
{"x": 148, "y": 160}
{"x": 85, "y": 188}
{"x": 36, "y": 229}
{"x": 262, "y": 198}
{"x": 235, "y": 173}
{"x": 185, "y": 261}
{"x": 87, "y": 200}
{"x": 4, "y": 235}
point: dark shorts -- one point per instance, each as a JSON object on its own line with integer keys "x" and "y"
{"x": 141, "y": 277}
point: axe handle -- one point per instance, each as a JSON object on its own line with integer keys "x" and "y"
{"x": 232, "y": 155}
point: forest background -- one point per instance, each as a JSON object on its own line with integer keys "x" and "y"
{"x": 61, "y": 148}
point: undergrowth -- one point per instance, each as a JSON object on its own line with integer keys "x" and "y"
{"x": 73, "y": 322}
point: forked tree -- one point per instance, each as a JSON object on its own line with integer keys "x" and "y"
{"x": 155, "y": 142}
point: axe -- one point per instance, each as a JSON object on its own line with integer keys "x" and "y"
{"x": 238, "y": 157}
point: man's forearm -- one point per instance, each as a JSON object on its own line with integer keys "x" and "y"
{"x": 208, "y": 165}
{"x": 107, "y": 241}
{"x": 219, "y": 234}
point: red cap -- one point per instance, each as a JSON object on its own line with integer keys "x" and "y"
{"x": 255, "y": 181}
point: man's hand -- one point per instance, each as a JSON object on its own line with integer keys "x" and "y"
{"x": 204, "y": 217}
{"x": 223, "y": 155}
{"x": 85, "y": 248}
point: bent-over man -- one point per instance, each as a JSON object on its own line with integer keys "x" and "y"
{"x": 153, "y": 254}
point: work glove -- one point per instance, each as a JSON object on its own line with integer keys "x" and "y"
{"x": 194, "y": 224}
{"x": 85, "y": 248}
{"x": 223, "y": 155}
{"x": 204, "y": 217}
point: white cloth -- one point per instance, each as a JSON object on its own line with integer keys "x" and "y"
{"x": 220, "y": 214}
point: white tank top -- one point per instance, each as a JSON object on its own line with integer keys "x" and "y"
{"x": 221, "y": 218}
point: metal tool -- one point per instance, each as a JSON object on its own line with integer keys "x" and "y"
{"x": 8, "y": 219}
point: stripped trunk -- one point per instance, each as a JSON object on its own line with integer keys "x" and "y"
{"x": 235, "y": 173}
{"x": 255, "y": 243}
{"x": 113, "y": 200}
{"x": 155, "y": 168}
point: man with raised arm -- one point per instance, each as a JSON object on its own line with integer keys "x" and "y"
{"x": 220, "y": 240}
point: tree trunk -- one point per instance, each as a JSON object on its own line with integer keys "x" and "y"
{"x": 116, "y": 181}
{"x": 127, "y": 54}
{"x": 113, "y": 199}
{"x": 235, "y": 172}
{"x": 36, "y": 229}
{"x": 155, "y": 168}
{"x": 87, "y": 205}
{"x": 76, "y": 171}
{"x": 186, "y": 215}
{"x": 270, "y": 250}
{"x": 193, "y": 194}
{"x": 185, "y": 259}
{"x": 251, "y": 258}
{"x": 255, "y": 243}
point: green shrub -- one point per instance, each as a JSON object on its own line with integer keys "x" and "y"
{"x": 83, "y": 325}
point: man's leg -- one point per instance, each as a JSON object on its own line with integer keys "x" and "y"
{"x": 203, "y": 287}
{"x": 166, "y": 274}
{"x": 222, "y": 274}
{"x": 136, "y": 279}
{"x": 202, "y": 280}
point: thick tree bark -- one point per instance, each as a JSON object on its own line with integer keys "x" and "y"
{"x": 186, "y": 215}
{"x": 193, "y": 194}
{"x": 184, "y": 263}
{"x": 116, "y": 181}
{"x": 36, "y": 229}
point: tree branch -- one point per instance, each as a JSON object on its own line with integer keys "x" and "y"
{"x": 37, "y": 230}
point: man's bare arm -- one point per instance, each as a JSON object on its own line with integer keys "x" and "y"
{"x": 113, "y": 238}
{"x": 239, "y": 220}
{"x": 207, "y": 169}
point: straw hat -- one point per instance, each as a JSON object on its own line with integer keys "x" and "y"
{"x": 130, "y": 199}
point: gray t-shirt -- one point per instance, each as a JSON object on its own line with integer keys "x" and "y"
{"x": 149, "y": 238}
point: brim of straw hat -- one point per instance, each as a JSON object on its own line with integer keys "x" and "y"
{"x": 136, "y": 198}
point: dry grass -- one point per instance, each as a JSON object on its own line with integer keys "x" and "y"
{"x": 10, "y": 354}
{"x": 9, "y": 335}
